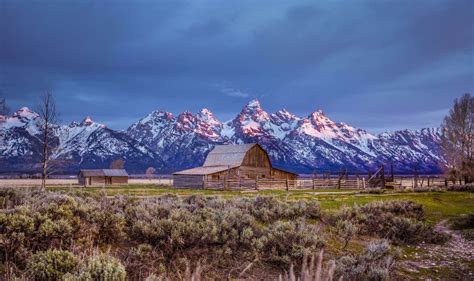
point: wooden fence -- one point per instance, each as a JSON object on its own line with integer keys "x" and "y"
{"x": 351, "y": 182}
{"x": 259, "y": 184}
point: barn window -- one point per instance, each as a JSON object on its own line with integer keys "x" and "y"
{"x": 263, "y": 176}
{"x": 215, "y": 177}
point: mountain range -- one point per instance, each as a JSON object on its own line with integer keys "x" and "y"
{"x": 168, "y": 143}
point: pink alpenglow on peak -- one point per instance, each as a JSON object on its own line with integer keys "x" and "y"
{"x": 205, "y": 115}
{"x": 255, "y": 103}
{"x": 88, "y": 122}
{"x": 25, "y": 112}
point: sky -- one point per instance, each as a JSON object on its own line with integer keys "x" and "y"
{"x": 377, "y": 65}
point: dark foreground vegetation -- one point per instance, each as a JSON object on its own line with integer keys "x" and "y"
{"x": 78, "y": 236}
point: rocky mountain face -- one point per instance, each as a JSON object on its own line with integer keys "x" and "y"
{"x": 167, "y": 142}
{"x": 306, "y": 145}
{"x": 78, "y": 145}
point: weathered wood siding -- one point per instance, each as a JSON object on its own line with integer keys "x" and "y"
{"x": 88, "y": 181}
{"x": 81, "y": 180}
{"x": 256, "y": 157}
{"x": 255, "y": 166}
{"x": 119, "y": 180}
{"x": 188, "y": 181}
{"x": 279, "y": 174}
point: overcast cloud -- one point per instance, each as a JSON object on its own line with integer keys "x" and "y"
{"x": 378, "y": 65}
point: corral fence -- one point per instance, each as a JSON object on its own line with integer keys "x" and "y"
{"x": 259, "y": 184}
{"x": 333, "y": 182}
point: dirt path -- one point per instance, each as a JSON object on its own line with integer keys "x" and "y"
{"x": 453, "y": 260}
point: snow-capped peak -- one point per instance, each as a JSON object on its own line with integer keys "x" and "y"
{"x": 205, "y": 112}
{"x": 23, "y": 117}
{"x": 206, "y": 116}
{"x": 87, "y": 121}
{"x": 285, "y": 115}
{"x": 254, "y": 111}
{"x": 186, "y": 121}
{"x": 25, "y": 112}
{"x": 319, "y": 115}
{"x": 255, "y": 103}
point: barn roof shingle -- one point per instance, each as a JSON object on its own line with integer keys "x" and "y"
{"x": 201, "y": 171}
{"x": 104, "y": 173}
{"x": 227, "y": 155}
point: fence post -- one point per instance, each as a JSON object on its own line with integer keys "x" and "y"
{"x": 363, "y": 183}
{"x": 383, "y": 176}
{"x": 287, "y": 184}
{"x": 256, "y": 183}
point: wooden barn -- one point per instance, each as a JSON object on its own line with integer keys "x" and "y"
{"x": 237, "y": 164}
{"x": 102, "y": 177}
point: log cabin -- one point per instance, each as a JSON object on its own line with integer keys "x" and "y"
{"x": 102, "y": 177}
{"x": 238, "y": 164}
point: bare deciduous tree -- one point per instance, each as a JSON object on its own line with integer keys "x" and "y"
{"x": 4, "y": 109}
{"x": 457, "y": 138}
{"x": 149, "y": 172}
{"x": 47, "y": 125}
{"x": 117, "y": 164}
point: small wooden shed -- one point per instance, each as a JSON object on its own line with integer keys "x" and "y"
{"x": 237, "y": 163}
{"x": 102, "y": 177}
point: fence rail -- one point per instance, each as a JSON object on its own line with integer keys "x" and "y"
{"x": 401, "y": 182}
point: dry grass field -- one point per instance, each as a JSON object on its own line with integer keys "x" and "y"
{"x": 73, "y": 182}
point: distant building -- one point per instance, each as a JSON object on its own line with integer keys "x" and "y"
{"x": 102, "y": 177}
{"x": 236, "y": 163}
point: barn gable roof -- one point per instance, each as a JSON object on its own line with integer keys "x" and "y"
{"x": 222, "y": 158}
{"x": 202, "y": 171}
{"x": 227, "y": 155}
{"x": 104, "y": 173}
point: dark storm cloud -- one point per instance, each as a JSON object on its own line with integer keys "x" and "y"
{"x": 375, "y": 64}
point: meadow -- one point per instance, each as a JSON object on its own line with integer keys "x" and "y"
{"x": 438, "y": 205}
{"x": 151, "y": 231}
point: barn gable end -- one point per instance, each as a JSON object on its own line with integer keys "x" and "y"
{"x": 231, "y": 162}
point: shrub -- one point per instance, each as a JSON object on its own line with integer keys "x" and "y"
{"x": 462, "y": 187}
{"x": 288, "y": 241}
{"x": 375, "y": 263}
{"x": 52, "y": 264}
{"x": 463, "y": 222}
{"x": 16, "y": 232}
{"x": 346, "y": 230}
{"x": 159, "y": 234}
{"x": 400, "y": 221}
{"x": 101, "y": 267}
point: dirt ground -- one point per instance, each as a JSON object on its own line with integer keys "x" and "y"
{"x": 451, "y": 261}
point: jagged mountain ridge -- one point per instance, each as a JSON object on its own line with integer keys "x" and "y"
{"x": 313, "y": 143}
{"x": 169, "y": 142}
{"x": 81, "y": 145}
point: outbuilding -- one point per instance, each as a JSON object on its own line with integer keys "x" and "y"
{"x": 102, "y": 177}
{"x": 233, "y": 165}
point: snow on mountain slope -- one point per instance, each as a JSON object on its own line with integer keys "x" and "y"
{"x": 303, "y": 144}
{"x": 87, "y": 144}
{"x": 181, "y": 141}
{"x": 169, "y": 142}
